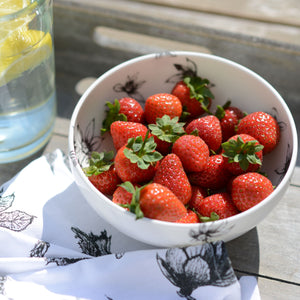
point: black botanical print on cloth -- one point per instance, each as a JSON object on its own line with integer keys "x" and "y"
{"x": 63, "y": 261}
{"x": 91, "y": 244}
{"x": 2, "y": 282}
{"x": 86, "y": 140}
{"x": 131, "y": 87}
{"x": 39, "y": 249}
{"x": 192, "y": 267}
{"x": 51, "y": 158}
{"x": 15, "y": 220}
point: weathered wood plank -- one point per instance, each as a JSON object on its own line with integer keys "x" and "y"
{"x": 281, "y": 12}
{"x": 140, "y": 43}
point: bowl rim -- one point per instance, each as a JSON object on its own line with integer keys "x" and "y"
{"x": 277, "y": 190}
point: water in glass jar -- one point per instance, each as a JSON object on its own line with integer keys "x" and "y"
{"x": 27, "y": 112}
{"x": 27, "y": 78}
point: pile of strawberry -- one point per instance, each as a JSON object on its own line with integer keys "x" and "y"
{"x": 176, "y": 161}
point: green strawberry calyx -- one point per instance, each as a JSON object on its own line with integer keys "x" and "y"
{"x": 134, "y": 205}
{"x": 199, "y": 90}
{"x": 220, "y": 111}
{"x": 167, "y": 129}
{"x": 213, "y": 217}
{"x": 99, "y": 162}
{"x": 142, "y": 151}
{"x": 112, "y": 114}
{"x": 242, "y": 153}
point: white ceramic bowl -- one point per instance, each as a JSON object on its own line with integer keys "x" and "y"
{"x": 155, "y": 73}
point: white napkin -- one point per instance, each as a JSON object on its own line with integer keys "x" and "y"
{"x": 54, "y": 246}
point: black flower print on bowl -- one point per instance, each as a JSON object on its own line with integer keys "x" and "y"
{"x": 131, "y": 87}
{"x": 190, "y": 69}
{"x": 192, "y": 267}
{"x": 210, "y": 232}
{"x": 274, "y": 114}
{"x": 281, "y": 171}
{"x": 86, "y": 140}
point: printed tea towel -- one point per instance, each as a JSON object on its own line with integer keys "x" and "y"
{"x": 54, "y": 246}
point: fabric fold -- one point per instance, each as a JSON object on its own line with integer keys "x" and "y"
{"x": 55, "y": 246}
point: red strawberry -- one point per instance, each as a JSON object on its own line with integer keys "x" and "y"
{"x": 194, "y": 95}
{"x": 198, "y": 194}
{"x": 158, "y": 202}
{"x": 220, "y": 204}
{"x": 171, "y": 174}
{"x": 242, "y": 153}
{"x": 249, "y": 189}
{"x": 136, "y": 162}
{"x": 125, "y": 109}
{"x": 229, "y": 117}
{"x": 132, "y": 110}
{"x": 158, "y": 105}
{"x": 192, "y": 151}
{"x": 189, "y": 218}
{"x": 166, "y": 131}
{"x": 154, "y": 201}
{"x": 209, "y": 129}
{"x": 263, "y": 127}
{"x": 214, "y": 176}
{"x": 121, "y": 131}
{"x": 121, "y": 196}
{"x": 101, "y": 172}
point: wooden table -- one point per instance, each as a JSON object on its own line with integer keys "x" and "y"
{"x": 271, "y": 251}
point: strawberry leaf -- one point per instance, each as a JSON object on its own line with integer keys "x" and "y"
{"x": 213, "y": 217}
{"x": 112, "y": 115}
{"x": 220, "y": 111}
{"x": 99, "y": 163}
{"x": 199, "y": 90}
{"x": 243, "y": 153}
{"x": 167, "y": 129}
{"x": 134, "y": 205}
{"x": 142, "y": 151}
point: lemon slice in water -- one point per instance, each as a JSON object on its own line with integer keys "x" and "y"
{"x": 21, "y": 49}
{"x": 7, "y": 24}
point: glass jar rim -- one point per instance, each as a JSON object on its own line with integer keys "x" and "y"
{"x": 29, "y": 8}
